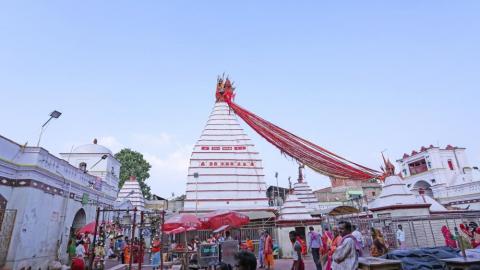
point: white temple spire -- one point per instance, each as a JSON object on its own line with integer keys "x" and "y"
{"x": 229, "y": 169}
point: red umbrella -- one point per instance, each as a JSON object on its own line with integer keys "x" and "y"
{"x": 217, "y": 219}
{"x": 90, "y": 228}
{"x": 188, "y": 221}
{"x": 176, "y": 231}
{"x": 181, "y": 230}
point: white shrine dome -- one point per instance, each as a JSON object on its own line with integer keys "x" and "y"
{"x": 92, "y": 148}
{"x": 396, "y": 194}
{"x": 294, "y": 210}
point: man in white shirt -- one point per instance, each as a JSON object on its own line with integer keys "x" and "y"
{"x": 358, "y": 236}
{"x": 80, "y": 250}
{"x": 400, "y": 237}
{"x": 314, "y": 243}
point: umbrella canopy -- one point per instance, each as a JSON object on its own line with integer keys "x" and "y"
{"x": 176, "y": 231}
{"x": 215, "y": 220}
{"x": 181, "y": 230}
{"x": 90, "y": 228}
{"x": 188, "y": 221}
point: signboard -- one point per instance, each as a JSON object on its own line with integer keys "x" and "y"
{"x": 229, "y": 249}
{"x": 85, "y": 198}
{"x": 207, "y": 255}
{"x": 98, "y": 184}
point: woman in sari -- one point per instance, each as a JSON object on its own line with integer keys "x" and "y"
{"x": 126, "y": 252}
{"x": 337, "y": 239}
{"x": 378, "y": 247}
{"x": 327, "y": 238}
{"x": 449, "y": 238}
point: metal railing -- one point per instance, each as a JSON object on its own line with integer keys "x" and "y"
{"x": 420, "y": 232}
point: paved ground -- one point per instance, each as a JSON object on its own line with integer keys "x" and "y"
{"x": 287, "y": 264}
{"x": 279, "y": 264}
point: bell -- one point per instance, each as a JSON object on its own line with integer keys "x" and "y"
{"x": 126, "y": 219}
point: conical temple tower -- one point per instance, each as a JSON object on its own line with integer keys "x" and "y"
{"x": 225, "y": 171}
{"x": 132, "y": 192}
{"x": 304, "y": 193}
{"x": 294, "y": 209}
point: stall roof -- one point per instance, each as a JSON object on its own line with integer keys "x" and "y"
{"x": 337, "y": 211}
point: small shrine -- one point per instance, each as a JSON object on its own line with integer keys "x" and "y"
{"x": 304, "y": 192}
{"x": 132, "y": 192}
{"x": 397, "y": 200}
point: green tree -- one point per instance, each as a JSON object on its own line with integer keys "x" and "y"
{"x": 133, "y": 164}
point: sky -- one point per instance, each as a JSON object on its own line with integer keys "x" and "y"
{"x": 355, "y": 77}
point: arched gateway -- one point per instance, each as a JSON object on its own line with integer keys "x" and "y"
{"x": 79, "y": 221}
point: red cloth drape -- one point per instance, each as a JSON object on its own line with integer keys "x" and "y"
{"x": 305, "y": 152}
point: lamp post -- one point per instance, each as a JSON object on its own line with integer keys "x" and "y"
{"x": 195, "y": 175}
{"x": 96, "y": 163}
{"x": 278, "y": 190}
{"x": 64, "y": 214}
{"x": 55, "y": 114}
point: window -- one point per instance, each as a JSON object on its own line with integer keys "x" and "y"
{"x": 82, "y": 166}
{"x": 373, "y": 193}
{"x": 417, "y": 167}
{"x": 450, "y": 164}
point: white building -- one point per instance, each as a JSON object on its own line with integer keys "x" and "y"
{"x": 46, "y": 198}
{"x": 444, "y": 174}
{"x": 225, "y": 170}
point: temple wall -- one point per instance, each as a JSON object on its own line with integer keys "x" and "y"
{"x": 38, "y": 225}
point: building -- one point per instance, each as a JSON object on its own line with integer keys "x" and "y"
{"x": 225, "y": 171}
{"x": 156, "y": 203}
{"x": 46, "y": 199}
{"x": 443, "y": 174}
{"x": 353, "y": 193}
{"x": 277, "y": 195}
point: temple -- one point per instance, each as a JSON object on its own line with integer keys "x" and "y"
{"x": 225, "y": 170}
{"x": 304, "y": 192}
{"x": 132, "y": 192}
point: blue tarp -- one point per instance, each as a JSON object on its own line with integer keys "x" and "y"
{"x": 422, "y": 258}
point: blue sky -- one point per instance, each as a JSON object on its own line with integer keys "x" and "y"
{"x": 356, "y": 77}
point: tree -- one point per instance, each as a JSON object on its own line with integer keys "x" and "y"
{"x": 133, "y": 164}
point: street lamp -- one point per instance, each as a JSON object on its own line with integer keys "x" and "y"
{"x": 55, "y": 114}
{"x": 195, "y": 175}
{"x": 278, "y": 190}
{"x": 102, "y": 158}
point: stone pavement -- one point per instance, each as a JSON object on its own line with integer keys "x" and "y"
{"x": 282, "y": 264}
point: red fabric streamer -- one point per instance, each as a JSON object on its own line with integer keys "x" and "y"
{"x": 305, "y": 152}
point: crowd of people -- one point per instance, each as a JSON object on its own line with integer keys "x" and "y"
{"x": 335, "y": 249}
{"x": 339, "y": 248}
{"x": 122, "y": 248}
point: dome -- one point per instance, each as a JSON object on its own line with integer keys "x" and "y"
{"x": 92, "y": 148}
